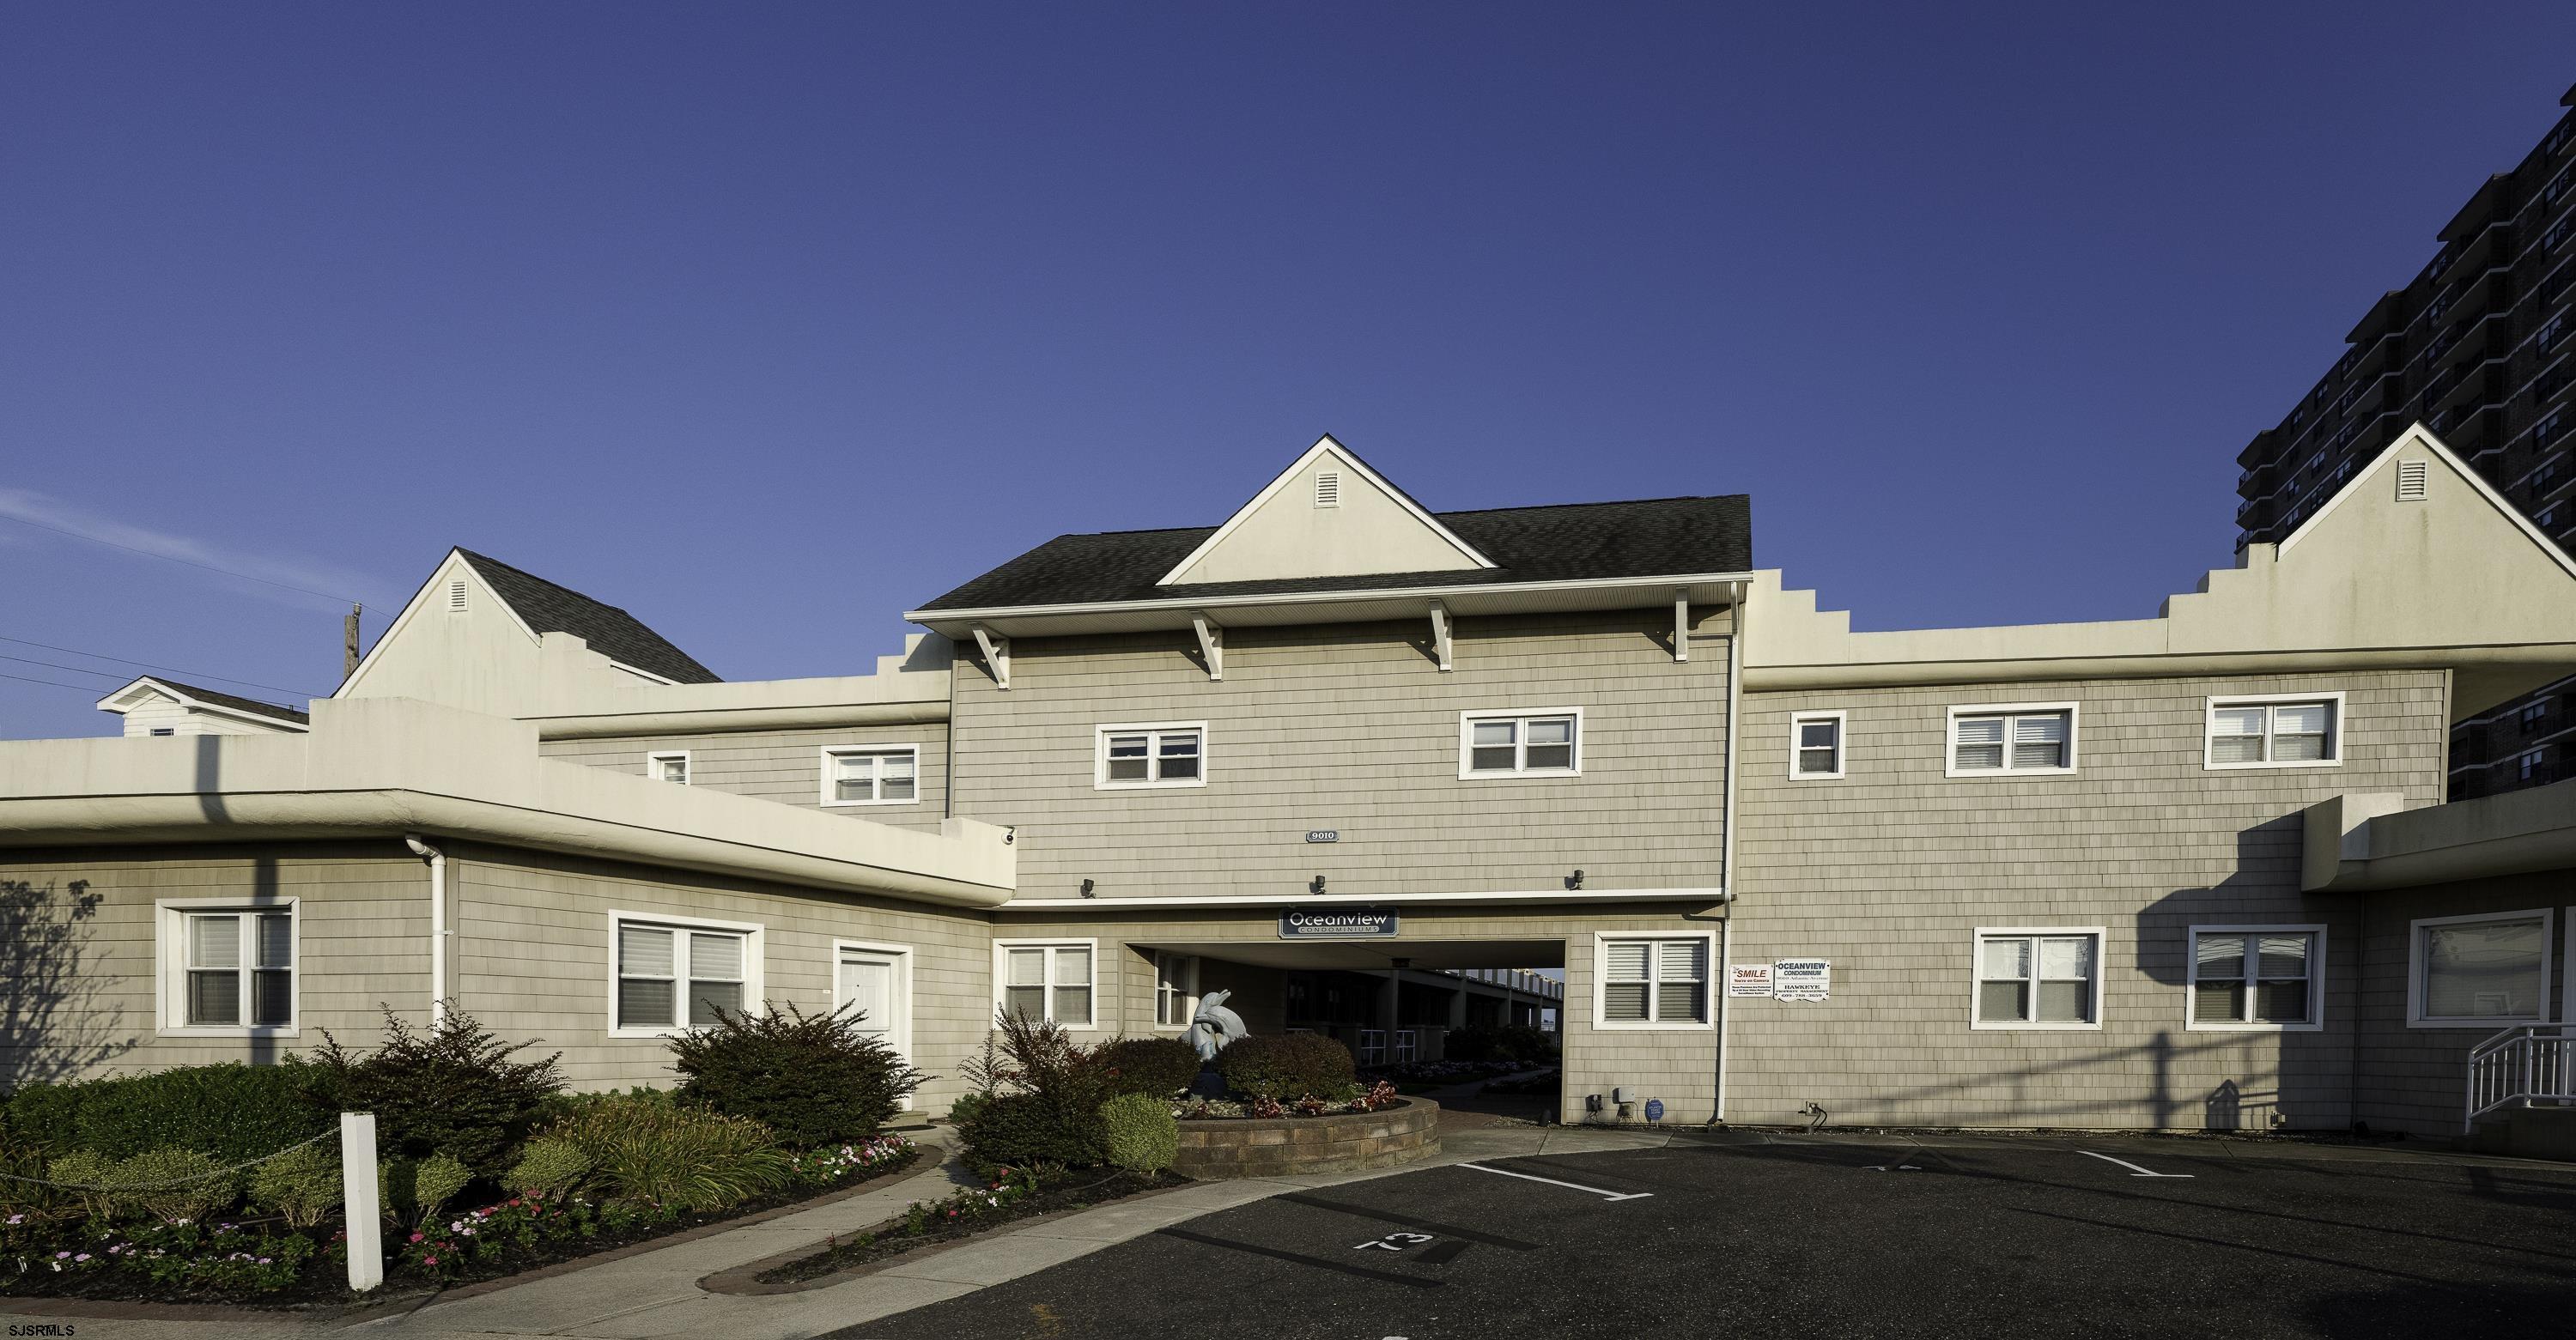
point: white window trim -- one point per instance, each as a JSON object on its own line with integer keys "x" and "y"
{"x": 170, "y": 983}
{"x": 1950, "y": 739}
{"x": 2415, "y": 1016}
{"x": 1001, "y": 975}
{"x": 653, "y": 765}
{"x": 1601, "y": 982}
{"x": 833, "y": 751}
{"x": 1976, "y": 948}
{"x": 1100, "y": 755}
{"x": 902, "y": 956}
{"x": 1842, "y": 745}
{"x": 2316, "y": 933}
{"x": 2334, "y": 730}
{"x": 1192, "y": 994}
{"x": 1467, "y": 742}
{"x": 755, "y": 954}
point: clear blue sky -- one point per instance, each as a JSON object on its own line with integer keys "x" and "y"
{"x": 768, "y": 322}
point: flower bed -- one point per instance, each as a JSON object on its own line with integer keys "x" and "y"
{"x": 1379, "y": 1097}
{"x": 267, "y": 1262}
{"x": 1016, "y": 1194}
{"x": 1344, "y": 1141}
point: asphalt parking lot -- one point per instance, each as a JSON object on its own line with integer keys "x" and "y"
{"x": 1784, "y": 1236}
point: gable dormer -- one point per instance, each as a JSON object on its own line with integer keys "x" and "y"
{"x": 1326, "y": 515}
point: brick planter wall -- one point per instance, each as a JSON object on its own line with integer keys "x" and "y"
{"x": 1288, "y": 1145}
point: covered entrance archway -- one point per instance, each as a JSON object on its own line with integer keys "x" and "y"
{"x": 1389, "y": 1000}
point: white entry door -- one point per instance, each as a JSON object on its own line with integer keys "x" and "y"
{"x": 877, "y": 979}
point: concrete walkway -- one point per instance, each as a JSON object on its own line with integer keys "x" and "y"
{"x": 656, "y": 1293}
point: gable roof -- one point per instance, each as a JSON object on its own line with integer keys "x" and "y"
{"x": 192, "y": 696}
{"x": 1410, "y": 525}
{"x": 546, "y": 607}
{"x": 1567, "y": 542}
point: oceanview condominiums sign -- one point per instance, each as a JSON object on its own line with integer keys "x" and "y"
{"x": 1339, "y": 923}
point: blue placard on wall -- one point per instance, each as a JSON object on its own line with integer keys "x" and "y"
{"x": 1654, "y": 1109}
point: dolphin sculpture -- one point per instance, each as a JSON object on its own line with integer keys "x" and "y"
{"x": 1213, "y": 1026}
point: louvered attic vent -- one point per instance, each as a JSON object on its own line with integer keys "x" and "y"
{"x": 456, "y": 596}
{"x": 1328, "y": 488}
{"x": 2413, "y": 481}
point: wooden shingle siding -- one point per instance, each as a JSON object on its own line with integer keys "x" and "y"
{"x": 1355, "y": 729}
{"x": 785, "y": 766}
{"x": 532, "y": 944}
{"x": 1890, "y": 872}
{"x": 2415, "y": 1079}
{"x": 82, "y": 973}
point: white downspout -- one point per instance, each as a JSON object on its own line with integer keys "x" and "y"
{"x": 1726, "y": 836}
{"x": 437, "y": 925}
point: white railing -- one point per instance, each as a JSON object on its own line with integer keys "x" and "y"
{"x": 2533, "y": 1063}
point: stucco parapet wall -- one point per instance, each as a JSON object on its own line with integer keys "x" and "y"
{"x": 2361, "y": 842}
{"x": 575, "y": 704}
{"x": 2454, "y": 579}
{"x": 382, "y": 766}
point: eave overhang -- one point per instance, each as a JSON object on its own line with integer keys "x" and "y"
{"x": 2358, "y": 843}
{"x": 1470, "y": 599}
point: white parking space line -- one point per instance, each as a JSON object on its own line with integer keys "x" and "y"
{"x": 1574, "y": 1186}
{"x": 2134, "y": 1170}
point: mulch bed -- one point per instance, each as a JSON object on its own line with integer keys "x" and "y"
{"x": 324, "y": 1285}
{"x": 1071, "y": 1191}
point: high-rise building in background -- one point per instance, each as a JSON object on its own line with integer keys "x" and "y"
{"x": 2477, "y": 346}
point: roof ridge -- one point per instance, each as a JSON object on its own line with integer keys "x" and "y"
{"x": 548, "y": 581}
{"x": 1604, "y": 502}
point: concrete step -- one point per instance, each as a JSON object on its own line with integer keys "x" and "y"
{"x": 2528, "y": 1132}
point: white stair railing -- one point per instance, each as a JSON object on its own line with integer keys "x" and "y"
{"x": 2532, "y": 1063}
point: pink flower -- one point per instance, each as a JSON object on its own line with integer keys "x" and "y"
{"x": 429, "y": 1260}
{"x": 415, "y": 1237}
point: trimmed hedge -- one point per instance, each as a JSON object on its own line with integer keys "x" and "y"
{"x": 1287, "y": 1066}
{"x": 1157, "y": 1066}
{"x": 1025, "y": 1130}
{"x": 1138, "y": 1132}
{"x": 232, "y": 1112}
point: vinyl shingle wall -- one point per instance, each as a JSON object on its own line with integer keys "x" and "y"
{"x": 2414, "y": 1078}
{"x": 785, "y": 766}
{"x": 1890, "y": 872}
{"x": 1355, "y": 729}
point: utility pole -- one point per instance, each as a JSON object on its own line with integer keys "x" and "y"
{"x": 349, "y": 644}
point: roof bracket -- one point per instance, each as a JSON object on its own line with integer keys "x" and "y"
{"x": 997, "y": 655}
{"x": 1681, "y": 628}
{"x": 1211, "y": 644}
{"x": 1440, "y": 633}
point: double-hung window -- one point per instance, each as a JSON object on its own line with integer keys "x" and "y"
{"x": 673, "y": 975}
{"x": 668, "y": 765}
{"x": 874, "y": 775}
{"x": 1653, "y": 982}
{"x": 1545, "y": 743}
{"x": 2257, "y": 976}
{"x": 1167, "y": 754}
{"x": 2479, "y": 971}
{"x": 1815, "y": 746}
{"x": 2012, "y": 739}
{"x": 1176, "y": 989}
{"x": 2275, "y": 733}
{"x": 1046, "y": 981}
{"x": 230, "y": 968}
{"x": 2039, "y": 978}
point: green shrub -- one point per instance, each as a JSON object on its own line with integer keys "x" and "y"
{"x": 87, "y": 1174}
{"x": 169, "y": 1185}
{"x": 303, "y": 1185}
{"x": 453, "y": 1090}
{"x": 1029, "y": 1130}
{"x": 1287, "y": 1066}
{"x": 234, "y": 1112}
{"x": 421, "y": 1187}
{"x": 812, "y": 1079}
{"x": 550, "y": 1168}
{"x": 1158, "y": 1066}
{"x": 1138, "y": 1132}
{"x": 663, "y": 1154}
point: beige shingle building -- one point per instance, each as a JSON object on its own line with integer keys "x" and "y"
{"x": 1357, "y": 763}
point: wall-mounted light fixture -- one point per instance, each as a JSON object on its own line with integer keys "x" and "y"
{"x": 1317, "y": 886}
{"x": 1086, "y": 888}
{"x": 1575, "y": 880}
{"x": 1010, "y": 834}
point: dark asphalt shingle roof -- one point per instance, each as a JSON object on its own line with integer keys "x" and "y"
{"x": 610, "y": 631}
{"x": 1655, "y": 537}
{"x": 234, "y": 701}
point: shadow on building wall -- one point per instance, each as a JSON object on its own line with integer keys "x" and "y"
{"x": 49, "y": 1033}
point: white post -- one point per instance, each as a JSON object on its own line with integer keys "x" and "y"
{"x": 358, "y": 1204}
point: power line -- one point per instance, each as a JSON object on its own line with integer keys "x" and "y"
{"x": 165, "y": 669}
{"x": 189, "y": 562}
{"x": 85, "y": 688}
{"x": 75, "y": 669}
